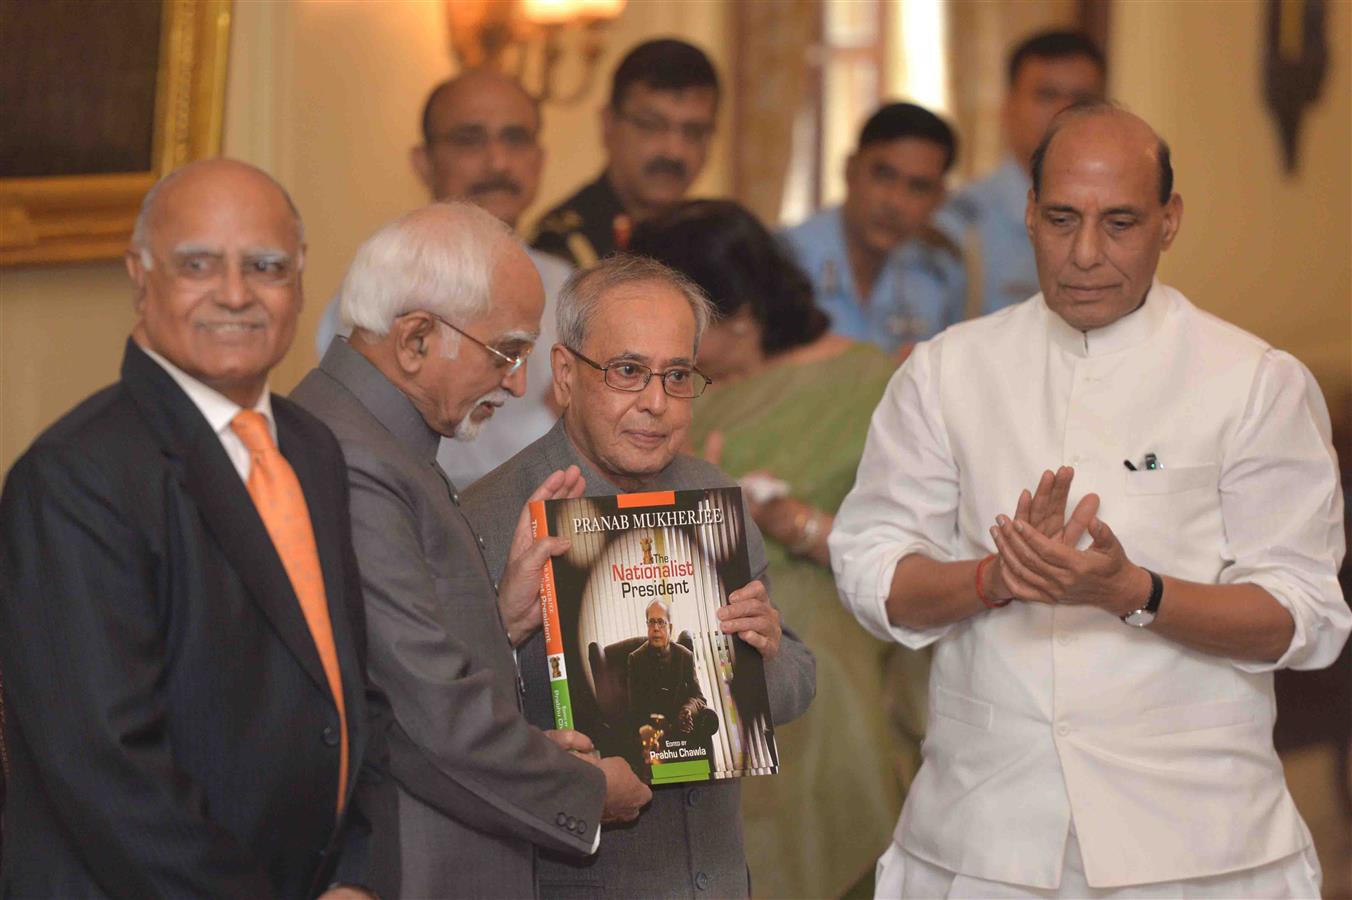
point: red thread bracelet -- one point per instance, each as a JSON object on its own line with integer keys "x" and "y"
{"x": 981, "y": 570}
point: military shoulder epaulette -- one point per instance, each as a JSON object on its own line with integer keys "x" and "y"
{"x": 560, "y": 221}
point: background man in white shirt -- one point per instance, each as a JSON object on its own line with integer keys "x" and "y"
{"x": 1101, "y": 715}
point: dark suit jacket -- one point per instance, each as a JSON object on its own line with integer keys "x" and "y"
{"x": 170, "y": 729}
{"x": 478, "y": 788}
{"x": 662, "y": 689}
{"x": 688, "y": 841}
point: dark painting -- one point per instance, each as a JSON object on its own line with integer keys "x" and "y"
{"x": 77, "y": 86}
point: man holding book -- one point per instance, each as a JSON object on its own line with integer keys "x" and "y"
{"x": 624, "y": 375}
{"x": 446, "y": 306}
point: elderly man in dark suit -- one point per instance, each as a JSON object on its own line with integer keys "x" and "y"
{"x": 180, "y": 615}
{"x": 445, "y": 306}
{"x": 624, "y": 375}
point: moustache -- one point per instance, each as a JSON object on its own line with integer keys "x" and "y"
{"x": 500, "y": 183}
{"x": 661, "y": 165}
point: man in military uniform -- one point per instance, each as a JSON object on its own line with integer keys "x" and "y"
{"x": 879, "y": 269}
{"x": 1047, "y": 73}
{"x": 656, "y": 130}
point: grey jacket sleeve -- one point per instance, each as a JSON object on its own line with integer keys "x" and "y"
{"x": 455, "y": 742}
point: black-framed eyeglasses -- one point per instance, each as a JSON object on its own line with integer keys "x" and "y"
{"x": 681, "y": 382}
{"x": 511, "y": 362}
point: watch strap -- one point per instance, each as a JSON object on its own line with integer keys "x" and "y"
{"x": 1146, "y": 614}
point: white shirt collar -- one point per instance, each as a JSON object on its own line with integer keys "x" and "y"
{"x": 218, "y": 409}
{"x": 1132, "y": 329}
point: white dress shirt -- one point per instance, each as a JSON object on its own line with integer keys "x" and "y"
{"x": 1162, "y": 754}
{"x": 219, "y": 411}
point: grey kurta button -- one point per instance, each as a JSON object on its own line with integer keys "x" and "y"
{"x": 572, "y": 823}
{"x": 480, "y": 539}
{"x": 692, "y": 797}
{"x": 330, "y": 736}
{"x": 581, "y": 826}
{"x": 561, "y": 820}
{"x": 455, "y": 498}
{"x": 701, "y": 881}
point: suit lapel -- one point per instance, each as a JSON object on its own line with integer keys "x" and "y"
{"x": 214, "y": 485}
{"x": 325, "y": 518}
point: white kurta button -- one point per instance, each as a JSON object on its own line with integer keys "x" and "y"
{"x": 1063, "y": 729}
{"x": 1063, "y": 638}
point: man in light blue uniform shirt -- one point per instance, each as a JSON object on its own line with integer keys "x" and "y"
{"x": 1047, "y": 72}
{"x": 878, "y": 268}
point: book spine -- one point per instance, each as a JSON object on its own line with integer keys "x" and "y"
{"x": 549, "y": 606}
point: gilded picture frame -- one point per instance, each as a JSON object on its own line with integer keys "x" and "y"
{"x": 79, "y": 217}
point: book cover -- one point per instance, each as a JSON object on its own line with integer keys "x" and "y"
{"x": 637, "y": 657}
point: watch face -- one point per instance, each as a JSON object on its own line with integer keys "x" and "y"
{"x": 1140, "y": 618}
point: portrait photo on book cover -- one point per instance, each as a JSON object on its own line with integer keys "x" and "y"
{"x": 638, "y": 660}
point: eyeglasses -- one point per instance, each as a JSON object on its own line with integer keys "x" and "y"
{"x": 681, "y": 382}
{"x": 475, "y": 138}
{"x": 260, "y": 269}
{"x": 652, "y": 622}
{"x": 654, "y": 126}
{"x": 511, "y": 362}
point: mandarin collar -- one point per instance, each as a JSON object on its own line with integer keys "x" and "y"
{"x": 390, "y": 407}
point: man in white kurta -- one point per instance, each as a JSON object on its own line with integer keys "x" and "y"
{"x": 1109, "y": 731}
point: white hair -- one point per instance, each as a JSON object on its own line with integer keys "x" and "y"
{"x": 143, "y": 231}
{"x": 584, "y": 289}
{"x": 439, "y": 258}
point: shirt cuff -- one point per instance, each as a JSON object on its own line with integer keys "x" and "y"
{"x": 1316, "y": 639}
{"x": 871, "y": 610}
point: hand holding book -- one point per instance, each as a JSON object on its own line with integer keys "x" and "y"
{"x": 750, "y": 615}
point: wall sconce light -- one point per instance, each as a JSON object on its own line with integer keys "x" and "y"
{"x": 528, "y": 39}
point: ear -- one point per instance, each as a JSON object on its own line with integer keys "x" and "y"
{"x": 1173, "y": 220}
{"x": 422, "y": 164}
{"x": 562, "y": 367}
{"x": 410, "y": 338}
{"x": 136, "y": 270}
{"x": 1030, "y": 213}
{"x": 851, "y": 167}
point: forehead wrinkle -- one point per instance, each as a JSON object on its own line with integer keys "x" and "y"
{"x": 196, "y": 248}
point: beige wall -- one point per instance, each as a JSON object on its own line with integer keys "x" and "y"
{"x": 325, "y": 94}
{"x": 1269, "y": 252}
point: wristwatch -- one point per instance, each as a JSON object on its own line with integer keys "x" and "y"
{"x": 1142, "y": 617}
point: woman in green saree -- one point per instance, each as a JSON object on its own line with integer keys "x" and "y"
{"x": 790, "y": 407}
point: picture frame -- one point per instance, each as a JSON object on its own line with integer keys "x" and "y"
{"x": 73, "y": 216}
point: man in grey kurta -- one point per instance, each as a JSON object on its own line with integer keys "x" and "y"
{"x": 479, "y": 789}
{"x": 623, "y": 374}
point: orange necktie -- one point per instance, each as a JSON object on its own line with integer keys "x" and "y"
{"x": 281, "y": 504}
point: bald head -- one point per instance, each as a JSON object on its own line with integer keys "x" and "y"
{"x": 480, "y": 144}
{"x": 1101, "y": 211}
{"x": 447, "y": 96}
{"x": 219, "y": 170}
{"x": 1103, "y": 120}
